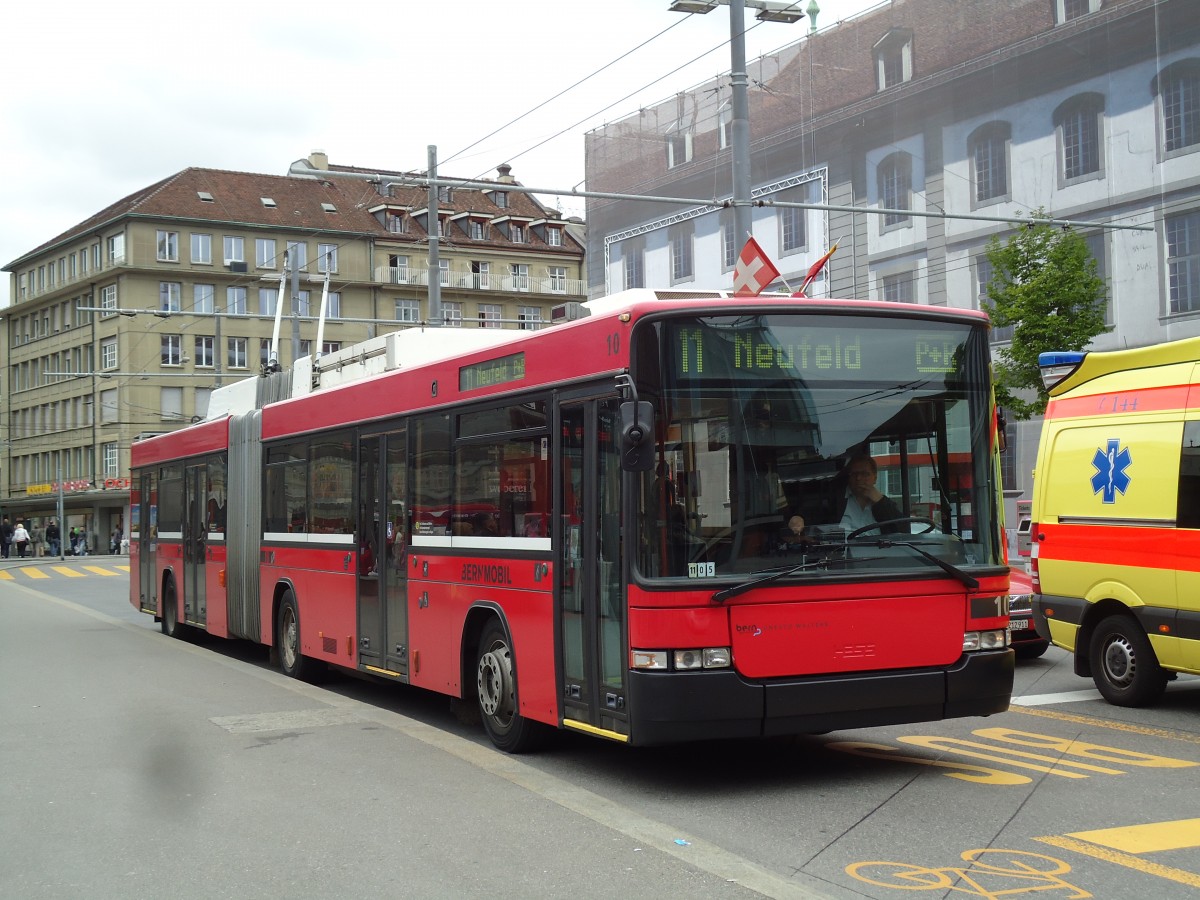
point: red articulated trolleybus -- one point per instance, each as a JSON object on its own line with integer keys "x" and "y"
{"x": 587, "y": 527}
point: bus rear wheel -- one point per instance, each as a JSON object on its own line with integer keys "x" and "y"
{"x": 496, "y": 688}
{"x": 1124, "y": 666}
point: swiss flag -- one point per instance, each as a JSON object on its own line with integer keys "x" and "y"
{"x": 753, "y": 272}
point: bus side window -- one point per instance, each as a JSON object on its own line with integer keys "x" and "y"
{"x": 1188, "y": 513}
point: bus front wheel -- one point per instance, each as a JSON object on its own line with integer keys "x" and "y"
{"x": 292, "y": 662}
{"x": 496, "y": 688}
{"x": 1124, "y": 666}
{"x": 169, "y": 623}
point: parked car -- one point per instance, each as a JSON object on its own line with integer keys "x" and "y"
{"x": 1025, "y": 640}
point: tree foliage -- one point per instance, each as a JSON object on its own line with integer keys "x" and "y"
{"x": 1045, "y": 285}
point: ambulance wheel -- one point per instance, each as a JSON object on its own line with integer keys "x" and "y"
{"x": 496, "y": 689}
{"x": 1124, "y": 666}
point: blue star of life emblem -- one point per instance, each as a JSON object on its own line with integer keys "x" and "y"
{"x": 1110, "y": 463}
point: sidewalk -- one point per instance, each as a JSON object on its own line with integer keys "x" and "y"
{"x": 92, "y": 559}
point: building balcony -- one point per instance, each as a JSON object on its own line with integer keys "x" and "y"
{"x": 418, "y": 276}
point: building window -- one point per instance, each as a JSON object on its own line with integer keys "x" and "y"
{"x": 264, "y": 253}
{"x": 327, "y": 258}
{"x": 1178, "y": 90}
{"x": 516, "y": 233}
{"x": 333, "y": 309}
{"x": 633, "y": 258}
{"x": 554, "y": 237}
{"x": 202, "y": 249}
{"x": 108, "y": 298}
{"x": 112, "y": 459}
{"x": 444, "y": 194}
{"x": 725, "y": 126}
{"x": 171, "y": 403}
{"x": 202, "y": 298}
{"x": 481, "y": 275}
{"x": 267, "y": 299}
{"x": 898, "y": 288}
{"x": 297, "y": 256}
{"x": 895, "y": 189}
{"x": 729, "y": 245}
{"x": 475, "y": 229}
{"x": 519, "y": 273}
{"x": 490, "y": 315}
{"x": 408, "y": 311}
{"x": 168, "y": 246}
{"x": 500, "y": 198}
{"x": 108, "y": 407}
{"x": 236, "y": 352}
{"x": 679, "y": 144}
{"x": 328, "y": 347}
{"x": 529, "y": 317}
{"x": 398, "y": 269}
{"x": 792, "y": 236}
{"x": 264, "y": 351}
{"x": 1066, "y": 10}
{"x": 1183, "y": 262}
{"x": 116, "y": 250}
{"x": 989, "y": 163}
{"x": 201, "y": 398}
{"x": 172, "y": 349}
{"x": 893, "y": 58}
{"x": 205, "y": 351}
{"x": 1077, "y": 125}
{"x": 169, "y": 294}
{"x": 397, "y": 223}
{"x": 235, "y": 249}
{"x": 558, "y": 279}
{"x": 235, "y": 301}
{"x": 681, "y": 238}
{"x": 452, "y": 314}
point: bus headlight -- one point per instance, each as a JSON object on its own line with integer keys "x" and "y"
{"x": 708, "y": 658}
{"x": 985, "y": 640}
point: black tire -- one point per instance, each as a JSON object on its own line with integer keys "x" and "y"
{"x": 169, "y": 622}
{"x": 1032, "y": 650}
{"x": 496, "y": 690}
{"x": 1124, "y": 666}
{"x": 292, "y": 662}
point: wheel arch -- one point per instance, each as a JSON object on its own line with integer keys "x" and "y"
{"x": 480, "y": 613}
{"x": 1096, "y": 612}
{"x": 282, "y": 586}
{"x": 167, "y": 579}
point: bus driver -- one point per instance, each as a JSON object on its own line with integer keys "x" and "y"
{"x": 865, "y": 503}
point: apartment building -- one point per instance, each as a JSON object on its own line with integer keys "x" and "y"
{"x": 915, "y": 131}
{"x": 124, "y": 324}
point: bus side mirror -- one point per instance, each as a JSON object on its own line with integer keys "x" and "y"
{"x": 637, "y": 427}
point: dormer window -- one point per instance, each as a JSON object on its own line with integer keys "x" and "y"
{"x": 516, "y": 233}
{"x": 477, "y": 229}
{"x": 1067, "y": 10}
{"x": 267, "y": 202}
{"x": 397, "y": 223}
{"x": 500, "y": 198}
{"x": 894, "y": 58}
{"x": 554, "y": 237}
{"x": 445, "y": 194}
{"x": 205, "y": 196}
{"x": 329, "y": 207}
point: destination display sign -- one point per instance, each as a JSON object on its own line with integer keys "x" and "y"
{"x": 492, "y": 372}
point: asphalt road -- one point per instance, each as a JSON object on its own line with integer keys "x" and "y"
{"x": 139, "y": 766}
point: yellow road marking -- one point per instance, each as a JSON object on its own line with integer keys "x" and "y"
{"x": 1123, "y": 859}
{"x": 34, "y": 573}
{"x": 5, "y": 576}
{"x": 99, "y": 571}
{"x": 1149, "y": 838}
{"x": 1105, "y": 723}
{"x": 70, "y": 573}
{"x": 122, "y": 568}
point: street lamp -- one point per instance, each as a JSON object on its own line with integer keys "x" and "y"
{"x": 768, "y": 11}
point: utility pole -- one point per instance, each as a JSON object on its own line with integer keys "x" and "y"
{"x": 431, "y": 227}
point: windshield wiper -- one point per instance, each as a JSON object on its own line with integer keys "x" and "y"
{"x": 724, "y": 594}
{"x": 950, "y": 569}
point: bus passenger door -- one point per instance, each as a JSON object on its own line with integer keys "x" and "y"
{"x": 147, "y": 537}
{"x": 195, "y": 488}
{"x": 591, "y": 602}
{"x": 382, "y": 535}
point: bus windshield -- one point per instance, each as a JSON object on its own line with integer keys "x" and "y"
{"x": 846, "y": 445}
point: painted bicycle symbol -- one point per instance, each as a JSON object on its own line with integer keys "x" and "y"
{"x": 1007, "y": 873}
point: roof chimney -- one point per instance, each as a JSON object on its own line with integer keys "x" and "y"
{"x": 505, "y": 172}
{"x": 318, "y": 160}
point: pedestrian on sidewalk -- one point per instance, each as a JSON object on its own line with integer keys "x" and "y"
{"x": 53, "y": 537}
{"x": 6, "y": 536}
{"x": 21, "y": 539}
{"x": 37, "y": 541}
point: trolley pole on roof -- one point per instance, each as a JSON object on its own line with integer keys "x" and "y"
{"x": 740, "y": 108}
{"x": 431, "y": 228}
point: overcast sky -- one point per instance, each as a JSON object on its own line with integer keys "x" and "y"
{"x": 100, "y": 100}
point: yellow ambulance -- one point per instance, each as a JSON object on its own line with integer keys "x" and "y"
{"x": 1115, "y": 556}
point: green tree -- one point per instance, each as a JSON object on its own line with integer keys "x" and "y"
{"x": 1044, "y": 284}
